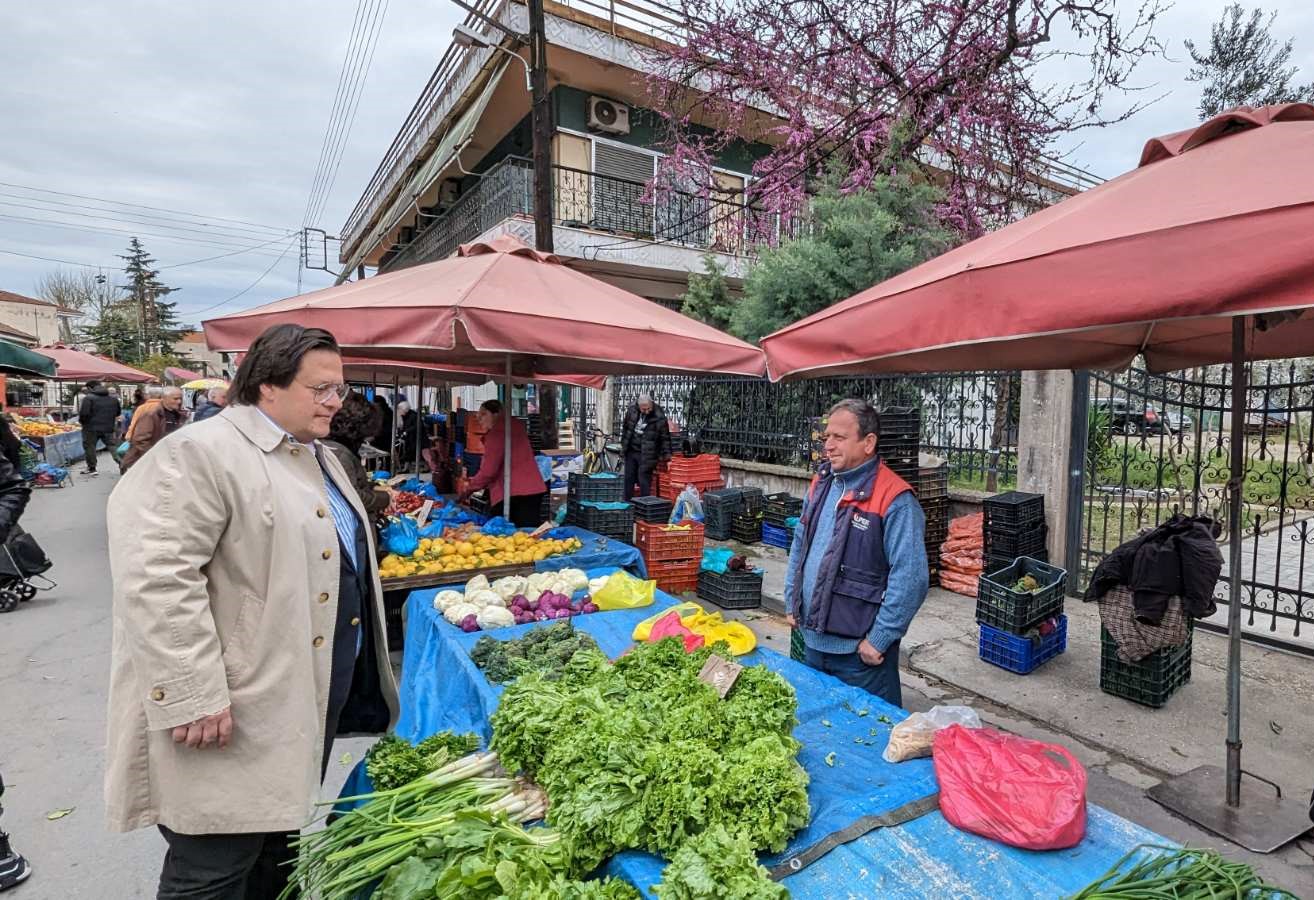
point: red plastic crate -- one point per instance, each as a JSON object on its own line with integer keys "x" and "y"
{"x": 674, "y": 585}
{"x": 671, "y": 487}
{"x": 669, "y": 542}
{"x": 704, "y": 467}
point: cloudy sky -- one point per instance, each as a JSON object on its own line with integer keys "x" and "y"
{"x": 214, "y": 114}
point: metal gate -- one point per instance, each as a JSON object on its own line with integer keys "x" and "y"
{"x": 1147, "y": 446}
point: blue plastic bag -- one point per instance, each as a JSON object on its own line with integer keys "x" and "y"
{"x": 402, "y": 536}
{"x": 715, "y": 559}
{"x": 498, "y": 527}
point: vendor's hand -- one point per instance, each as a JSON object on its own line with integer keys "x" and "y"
{"x": 869, "y": 654}
{"x": 215, "y": 729}
{"x": 791, "y": 621}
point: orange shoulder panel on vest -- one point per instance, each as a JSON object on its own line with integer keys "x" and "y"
{"x": 887, "y": 486}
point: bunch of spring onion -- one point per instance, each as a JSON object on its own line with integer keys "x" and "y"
{"x": 1175, "y": 873}
{"x": 358, "y": 847}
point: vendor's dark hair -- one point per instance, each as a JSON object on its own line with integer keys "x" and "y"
{"x": 274, "y": 359}
{"x": 869, "y": 420}
{"x": 357, "y": 420}
{"x": 493, "y": 406}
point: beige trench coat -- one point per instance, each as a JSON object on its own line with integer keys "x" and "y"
{"x": 224, "y": 561}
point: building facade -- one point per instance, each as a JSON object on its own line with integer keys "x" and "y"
{"x": 33, "y": 322}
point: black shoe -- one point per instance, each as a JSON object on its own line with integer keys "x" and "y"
{"x": 14, "y": 870}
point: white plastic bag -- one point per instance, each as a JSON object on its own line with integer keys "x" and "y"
{"x": 912, "y": 738}
{"x": 687, "y": 506}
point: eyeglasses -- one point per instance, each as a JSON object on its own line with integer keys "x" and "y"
{"x": 323, "y": 392}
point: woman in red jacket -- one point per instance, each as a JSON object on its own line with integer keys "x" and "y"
{"x": 527, "y": 485}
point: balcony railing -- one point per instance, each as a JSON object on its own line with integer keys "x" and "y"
{"x": 630, "y": 210}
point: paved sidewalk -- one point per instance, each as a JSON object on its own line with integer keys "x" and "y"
{"x": 1125, "y": 747}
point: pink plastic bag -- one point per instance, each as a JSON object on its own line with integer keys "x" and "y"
{"x": 1010, "y": 789}
{"x": 670, "y": 625}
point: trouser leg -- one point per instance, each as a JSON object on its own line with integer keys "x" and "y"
{"x": 224, "y": 866}
{"x": 631, "y": 474}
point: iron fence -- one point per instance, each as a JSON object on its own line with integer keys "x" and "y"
{"x": 968, "y": 418}
{"x": 1158, "y": 445}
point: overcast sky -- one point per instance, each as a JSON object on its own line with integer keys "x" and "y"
{"x": 218, "y": 110}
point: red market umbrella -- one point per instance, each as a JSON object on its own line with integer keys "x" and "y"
{"x": 1202, "y": 254}
{"x": 74, "y": 365}
{"x": 176, "y": 374}
{"x": 500, "y": 303}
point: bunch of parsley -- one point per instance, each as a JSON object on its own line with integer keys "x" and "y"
{"x": 394, "y": 761}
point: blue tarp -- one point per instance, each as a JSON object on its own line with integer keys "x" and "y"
{"x": 442, "y": 689}
{"x": 597, "y": 552}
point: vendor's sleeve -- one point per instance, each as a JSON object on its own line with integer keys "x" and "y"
{"x": 795, "y": 548}
{"x": 490, "y": 467}
{"x": 159, "y": 545}
{"x": 905, "y": 548}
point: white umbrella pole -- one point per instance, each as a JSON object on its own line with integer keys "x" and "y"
{"x": 506, "y": 444}
{"x": 1236, "y": 494}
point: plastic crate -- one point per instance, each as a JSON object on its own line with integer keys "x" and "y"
{"x": 746, "y": 527}
{"x": 595, "y": 488}
{"x": 999, "y": 606}
{"x": 652, "y": 509}
{"x": 1019, "y": 654}
{"x": 1150, "y": 681}
{"x": 754, "y": 499}
{"x": 678, "y": 585}
{"x": 900, "y": 420}
{"x": 669, "y": 542}
{"x": 731, "y": 590}
{"x": 675, "y": 577}
{"x": 606, "y": 521}
{"x": 776, "y": 508}
{"x": 932, "y": 483}
{"x": 776, "y": 536}
{"x": 798, "y": 650}
{"x": 1013, "y": 509}
{"x": 703, "y": 467}
{"x": 1016, "y": 543}
{"x": 995, "y": 562}
{"x": 671, "y": 488}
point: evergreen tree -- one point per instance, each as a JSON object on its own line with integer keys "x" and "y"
{"x": 1244, "y": 64}
{"x": 708, "y": 299}
{"x": 141, "y": 323}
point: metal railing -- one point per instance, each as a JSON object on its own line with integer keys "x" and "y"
{"x": 582, "y": 199}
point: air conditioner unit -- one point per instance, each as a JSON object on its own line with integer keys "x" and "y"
{"x": 608, "y": 116}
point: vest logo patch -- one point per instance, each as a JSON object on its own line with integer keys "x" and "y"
{"x": 860, "y": 522}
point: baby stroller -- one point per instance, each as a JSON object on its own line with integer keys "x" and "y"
{"x": 21, "y": 559}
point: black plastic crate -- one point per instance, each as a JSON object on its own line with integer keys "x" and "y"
{"x": 999, "y": 606}
{"x": 1026, "y": 542}
{"x": 754, "y": 499}
{"x": 1013, "y": 509}
{"x": 998, "y": 562}
{"x": 900, "y": 420}
{"x": 600, "y": 490}
{"x": 731, "y": 590}
{"x": 746, "y": 528}
{"x": 611, "y": 522}
{"x": 932, "y": 484}
{"x": 781, "y": 507}
{"x": 652, "y": 509}
{"x": 1150, "y": 681}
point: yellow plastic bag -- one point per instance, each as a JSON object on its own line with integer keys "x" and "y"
{"x": 738, "y": 636}
{"x": 624, "y": 591}
{"x": 686, "y": 610}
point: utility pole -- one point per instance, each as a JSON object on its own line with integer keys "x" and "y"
{"x": 541, "y": 110}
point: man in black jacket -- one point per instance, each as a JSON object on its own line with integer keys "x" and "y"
{"x": 646, "y": 441}
{"x": 97, "y": 415}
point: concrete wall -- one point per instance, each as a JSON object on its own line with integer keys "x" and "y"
{"x": 39, "y": 320}
{"x": 1044, "y": 441}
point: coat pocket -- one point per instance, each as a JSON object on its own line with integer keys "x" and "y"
{"x": 855, "y": 598}
{"x": 239, "y": 645}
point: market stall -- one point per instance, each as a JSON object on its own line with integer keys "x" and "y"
{"x": 913, "y": 852}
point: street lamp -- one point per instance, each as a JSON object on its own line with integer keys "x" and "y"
{"x": 468, "y": 37}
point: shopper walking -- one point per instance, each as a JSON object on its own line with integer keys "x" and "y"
{"x": 646, "y": 439}
{"x": 97, "y": 415}
{"x": 527, "y": 484}
{"x": 248, "y": 625}
{"x": 215, "y": 400}
{"x": 151, "y": 423}
{"x": 857, "y": 566}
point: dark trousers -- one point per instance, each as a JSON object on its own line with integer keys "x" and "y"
{"x": 634, "y": 472}
{"x": 225, "y": 866}
{"x": 526, "y": 511}
{"x": 882, "y": 680}
{"x": 89, "y": 439}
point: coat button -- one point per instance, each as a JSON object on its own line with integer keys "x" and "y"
{"x": 157, "y": 695}
{"x": 296, "y": 452}
{"x": 327, "y": 554}
{"x": 321, "y": 512}
{"x": 355, "y": 620}
{"x": 322, "y": 598}
{"x": 318, "y": 641}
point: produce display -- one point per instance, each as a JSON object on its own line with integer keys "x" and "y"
{"x": 1151, "y": 871}
{"x": 718, "y": 864}
{"x": 505, "y": 602}
{"x": 42, "y": 428}
{"x": 404, "y": 503}
{"x": 641, "y": 754}
{"x": 544, "y": 650}
{"x": 464, "y": 548}
{"x": 395, "y": 761}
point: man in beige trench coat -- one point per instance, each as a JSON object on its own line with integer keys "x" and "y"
{"x": 248, "y": 625}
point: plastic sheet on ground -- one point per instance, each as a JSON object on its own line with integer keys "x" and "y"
{"x": 597, "y": 552}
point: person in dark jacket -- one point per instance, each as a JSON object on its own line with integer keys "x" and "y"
{"x": 646, "y": 441}
{"x": 357, "y": 420}
{"x": 215, "y": 400}
{"x": 1178, "y": 558}
{"x": 151, "y": 423}
{"x": 10, "y": 443}
{"x": 382, "y": 438}
{"x": 98, "y": 415}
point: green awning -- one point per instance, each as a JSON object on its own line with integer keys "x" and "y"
{"x": 16, "y": 360}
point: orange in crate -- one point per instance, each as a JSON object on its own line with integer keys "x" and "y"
{"x": 659, "y": 542}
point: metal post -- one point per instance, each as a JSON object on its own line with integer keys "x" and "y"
{"x": 419, "y": 426}
{"x": 541, "y": 128}
{"x": 1080, "y": 440}
{"x": 1235, "y": 493}
{"x": 506, "y": 439}
{"x": 392, "y": 442}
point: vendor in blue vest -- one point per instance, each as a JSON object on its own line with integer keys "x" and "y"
{"x": 857, "y": 566}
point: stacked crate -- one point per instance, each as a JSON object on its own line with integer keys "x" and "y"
{"x": 584, "y": 493}
{"x": 1150, "y": 681}
{"x": 1014, "y": 630}
{"x": 672, "y": 553}
{"x": 652, "y": 509}
{"x": 719, "y": 510}
{"x": 777, "y": 510}
{"x": 746, "y": 527}
{"x": 933, "y": 494}
{"x": 900, "y": 442}
{"x": 1014, "y": 526}
{"x": 814, "y": 449}
{"x": 731, "y": 590}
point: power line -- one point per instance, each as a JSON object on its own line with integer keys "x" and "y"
{"x": 224, "y": 255}
{"x": 67, "y": 262}
{"x": 134, "y": 221}
{"x": 263, "y": 275}
{"x": 50, "y": 223}
{"x": 137, "y": 205}
{"x": 241, "y": 232}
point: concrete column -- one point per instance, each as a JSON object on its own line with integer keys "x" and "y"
{"x": 1044, "y": 439}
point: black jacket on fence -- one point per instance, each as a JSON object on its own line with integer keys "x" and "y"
{"x": 649, "y": 436}
{"x": 1179, "y": 557}
{"x": 100, "y": 411}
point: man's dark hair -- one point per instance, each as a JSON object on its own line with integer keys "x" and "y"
{"x": 93, "y": 384}
{"x": 869, "y": 420}
{"x": 275, "y": 358}
{"x": 493, "y": 406}
{"x": 357, "y": 420}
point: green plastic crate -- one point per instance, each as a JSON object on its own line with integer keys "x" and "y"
{"x": 1149, "y": 682}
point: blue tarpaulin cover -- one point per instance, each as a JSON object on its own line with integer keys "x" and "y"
{"x": 597, "y": 552}
{"x": 442, "y": 689}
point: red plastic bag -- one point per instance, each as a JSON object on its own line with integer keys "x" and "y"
{"x": 670, "y": 625}
{"x": 1010, "y": 789}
